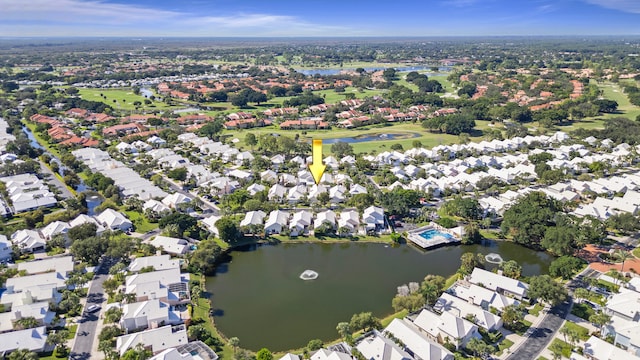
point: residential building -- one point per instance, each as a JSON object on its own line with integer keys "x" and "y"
{"x": 28, "y": 240}
{"x": 416, "y": 341}
{"x": 114, "y": 220}
{"x": 6, "y": 252}
{"x": 171, "y": 245}
{"x": 276, "y": 222}
{"x": 156, "y": 340}
{"x": 378, "y": 347}
{"x": 33, "y": 339}
{"x": 446, "y": 327}
{"x": 598, "y": 349}
{"x": 60, "y": 264}
{"x": 150, "y": 314}
{"x": 157, "y": 262}
{"x": 499, "y": 283}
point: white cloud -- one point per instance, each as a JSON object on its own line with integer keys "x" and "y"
{"x": 630, "y": 6}
{"x": 101, "y": 18}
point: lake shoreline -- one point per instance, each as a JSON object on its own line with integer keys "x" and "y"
{"x": 269, "y": 268}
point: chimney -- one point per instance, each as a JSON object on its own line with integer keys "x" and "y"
{"x": 18, "y": 315}
{"x": 499, "y": 272}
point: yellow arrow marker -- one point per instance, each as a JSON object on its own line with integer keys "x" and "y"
{"x": 317, "y": 167}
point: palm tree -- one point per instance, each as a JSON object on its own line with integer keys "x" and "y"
{"x": 623, "y": 256}
{"x": 26, "y": 323}
{"x": 234, "y": 342}
{"x": 23, "y": 354}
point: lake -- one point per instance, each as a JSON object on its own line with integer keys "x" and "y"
{"x": 259, "y": 297}
{"x": 373, "y": 137}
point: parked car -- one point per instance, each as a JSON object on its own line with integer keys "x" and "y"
{"x": 93, "y": 308}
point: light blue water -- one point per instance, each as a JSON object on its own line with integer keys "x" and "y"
{"x": 431, "y": 233}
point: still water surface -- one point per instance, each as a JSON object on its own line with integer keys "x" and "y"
{"x": 259, "y": 297}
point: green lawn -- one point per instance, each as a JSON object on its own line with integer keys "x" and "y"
{"x": 399, "y": 315}
{"x": 613, "y": 91}
{"x": 408, "y": 131}
{"x": 503, "y": 345}
{"x": 124, "y": 99}
{"x": 566, "y": 348}
{"x": 535, "y": 311}
{"x": 582, "y": 311}
{"x": 72, "y": 331}
{"x": 140, "y": 222}
{"x": 636, "y": 252}
{"x": 581, "y": 330}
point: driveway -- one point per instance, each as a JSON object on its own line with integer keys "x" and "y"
{"x": 87, "y": 325}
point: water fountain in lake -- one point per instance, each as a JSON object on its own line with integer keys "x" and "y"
{"x": 309, "y": 275}
{"x": 494, "y": 258}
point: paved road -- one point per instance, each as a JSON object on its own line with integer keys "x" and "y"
{"x": 550, "y": 324}
{"x": 178, "y": 188}
{"x": 541, "y": 335}
{"x": 86, "y": 333}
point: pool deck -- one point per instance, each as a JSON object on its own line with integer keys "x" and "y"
{"x": 415, "y": 238}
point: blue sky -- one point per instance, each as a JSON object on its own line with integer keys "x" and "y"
{"x": 317, "y": 17}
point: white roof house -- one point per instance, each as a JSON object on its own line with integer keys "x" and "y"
{"x": 439, "y": 327}
{"x": 156, "y": 207}
{"x": 276, "y": 221}
{"x": 84, "y": 219}
{"x": 416, "y": 341}
{"x": 459, "y": 307}
{"x": 277, "y": 192}
{"x": 300, "y": 221}
{"x": 22, "y": 283}
{"x": 290, "y": 356}
{"x": 373, "y": 218}
{"x": 55, "y": 228}
{"x": 171, "y": 245}
{"x": 210, "y": 223}
{"x": 28, "y": 240}
{"x": 27, "y": 192}
{"x": 114, "y": 220}
{"x": 255, "y": 188}
{"x": 378, "y": 347}
{"x": 36, "y": 293}
{"x": 481, "y": 296}
{"x": 167, "y": 285}
{"x": 598, "y": 349}
{"x": 33, "y": 339}
{"x": 325, "y": 217}
{"x": 157, "y": 339}
{"x": 62, "y": 264}
{"x": 6, "y": 252}
{"x": 148, "y": 314}
{"x": 269, "y": 176}
{"x": 157, "y": 262}
{"x": 39, "y": 311}
{"x": 172, "y": 200}
{"x": 324, "y": 354}
{"x": 349, "y": 219}
{"x": 499, "y": 283}
{"x": 253, "y": 218}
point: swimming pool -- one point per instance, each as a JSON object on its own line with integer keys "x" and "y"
{"x": 433, "y": 233}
